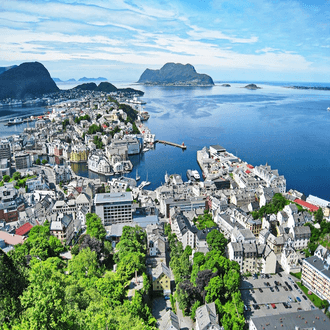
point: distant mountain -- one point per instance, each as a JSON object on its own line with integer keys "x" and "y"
{"x": 6, "y": 68}
{"x": 29, "y": 79}
{"x": 72, "y": 79}
{"x": 57, "y": 80}
{"x": 93, "y": 79}
{"x": 175, "y": 74}
{"x": 106, "y": 87}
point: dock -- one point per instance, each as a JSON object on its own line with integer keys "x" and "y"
{"x": 182, "y": 146}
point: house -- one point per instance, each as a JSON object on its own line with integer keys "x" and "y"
{"x": 207, "y": 318}
{"x": 62, "y": 227}
{"x": 169, "y": 321}
{"x": 289, "y": 259}
{"x": 306, "y": 205}
{"x": 301, "y": 236}
{"x": 24, "y": 230}
{"x": 161, "y": 278}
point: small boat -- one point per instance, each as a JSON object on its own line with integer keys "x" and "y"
{"x": 15, "y": 121}
{"x": 190, "y": 176}
{"x": 328, "y": 109}
{"x": 196, "y": 175}
{"x": 145, "y": 149}
{"x": 137, "y": 176}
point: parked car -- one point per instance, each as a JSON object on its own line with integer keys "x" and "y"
{"x": 260, "y": 290}
{"x": 296, "y": 286}
{"x": 312, "y": 306}
{"x": 273, "y": 305}
{"x": 168, "y": 309}
{"x": 285, "y": 305}
{"x": 252, "y": 290}
{"x": 300, "y": 291}
{"x": 290, "y": 279}
{"x": 166, "y": 297}
{"x": 299, "y": 309}
{"x": 276, "y": 288}
{"x": 255, "y": 306}
{"x": 304, "y": 297}
{"x": 267, "y": 306}
{"x": 290, "y": 299}
{"x": 265, "y": 283}
{"x": 271, "y": 289}
{"x": 298, "y": 299}
{"x": 268, "y": 283}
{"x": 289, "y": 305}
{"x": 279, "y": 274}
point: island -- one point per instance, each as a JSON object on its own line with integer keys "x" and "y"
{"x": 225, "y": 85}
{"x": 175, "y": 74}
{"x": 252, "y": 86}
{"x": 317, "y": 88}
{"x": 107, "y": 88}
{"x": 93, "y": 79}
{"x": 30, "y": 79}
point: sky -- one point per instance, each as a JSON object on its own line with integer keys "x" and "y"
{"x": 248, "y": 40}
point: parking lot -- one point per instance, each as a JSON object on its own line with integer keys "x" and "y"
{"x": 257, "y": 294}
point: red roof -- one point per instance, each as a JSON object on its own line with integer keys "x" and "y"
{"x": 309, "y": 206}
{"x": 248, "y": 171}
{"x": 104, "y": 126}
{"x": 250, "y": 166}
{"x": 23, "y": 230}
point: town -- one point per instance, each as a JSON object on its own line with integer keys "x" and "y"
{"x": 236, "y": 250}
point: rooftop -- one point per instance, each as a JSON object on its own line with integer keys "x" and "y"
{"x": 113, "y": 197}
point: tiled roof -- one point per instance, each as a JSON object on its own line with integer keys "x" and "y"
{"x": 24, "y": 229}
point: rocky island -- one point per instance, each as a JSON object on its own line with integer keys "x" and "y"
{"x": 252, "y": 86}
{"x": 225, "y": 85}
{"x": 29, "y": 79}
{"x": 175, "y": 74}
{"x": 107, "y": 87}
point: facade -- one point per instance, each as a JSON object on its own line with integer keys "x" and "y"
{"x": 5, "y": 152}
{"x": 161, "y": 279}
{"x": 79, "y": 153}
{"x": 114, "y": 207}
{"x": 316, "y": 274}
{"x": 62, "y": 227}
{"x": 289, "y": 259}
{"x": 22, "y": 160}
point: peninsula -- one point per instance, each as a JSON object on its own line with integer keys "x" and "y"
{"x": 175, "y": 74}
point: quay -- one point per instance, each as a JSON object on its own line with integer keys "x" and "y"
{"x": 182, "y": 146}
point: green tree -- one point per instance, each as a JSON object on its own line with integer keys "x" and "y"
{"x": 216, "y": 241}
{"x": 95, "y": 227}
{"x": 214, "y": 289}
{"x": 44, "y": 161}
{"x": 319, "y": 215}
{"x": 38, "y": 161}
{"x": 16, "y": 175}
{"x": 6, "y": 178}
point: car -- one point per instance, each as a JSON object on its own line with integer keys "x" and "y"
{"x": 279, "y": 274}
{"x": 285, "y": 305}
{"x": 296, "y": 286}
{"x": 285, "y": 288}
{"x": 268, "y": 283}
{"x": 276, "y": 288}
{"x": 252, "y": 290}
{"x": 300, "y": 291}
{"x": 289, "y": 305}
{"x": 267, "y": 306}
{"x": 166, "y": 297}
{"x": 265, "y": 283}
{"x": 168, "y": 309}
{"x": 247, "y": 308}
{"x": 290, "y": 299}
{"x": 277, "y": 283}
{"x": 266, "y": 275}
{"x": 302, "y": 252}
{"x": 299, "y": 309}
{"x": 298, "y": 299}
{"x": 290, "y": 279}
{"x": 271, "y": 289}
{"x": 273, "y": 305}
{"x": 312, "y": 306}
{"x": 304, "y": 297}
{"x": 255, "y": 306}
{"x": 260, "y": 290}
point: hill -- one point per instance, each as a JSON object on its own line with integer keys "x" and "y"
{"x": 6, "y": 68}
{"x": 93, "y": 79}
{"x": 107, "y": 88}
{"x": 29, "y": 79}
{"x": 175, "y": 74}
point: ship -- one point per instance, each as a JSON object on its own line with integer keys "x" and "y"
{"x": 15, "y": 121}
{"x": 193, "y": 175}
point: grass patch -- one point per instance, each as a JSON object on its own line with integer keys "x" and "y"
{"x": 312, "y": 297}
{"x": 296, "y": 275}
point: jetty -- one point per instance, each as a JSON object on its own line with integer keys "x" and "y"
{"x": 182, "y": 146}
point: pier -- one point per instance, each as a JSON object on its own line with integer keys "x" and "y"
{"x": 182, "y": 146}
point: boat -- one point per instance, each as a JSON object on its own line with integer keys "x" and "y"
{"x": 196, "y": 175}
{"x": 190, "y": 176}
{"x": 328, "y": 109}
{"x": 145, "y": 149}
{"x": 137, "y": 178}
{"x": 15, "y": 121}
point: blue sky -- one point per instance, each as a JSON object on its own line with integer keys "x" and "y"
{"x": 254, "y": 40}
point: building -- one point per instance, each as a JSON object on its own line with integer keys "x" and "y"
{"x": 5, "y": 152}
{"x": 114, "y": 207}
{"x": 316, "y": 274}
{"x": 289, "y": 259}
{"x": 79, "y": 153}
{"x": 169, "y": 321}
{"x": 22, "y": 160}
{"x": 161, "y": 279}
{"x": 317, "y": 201}
{"x": 62, "y": 227}
{"x": 207, "y": 318}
